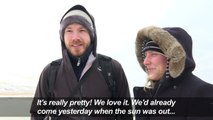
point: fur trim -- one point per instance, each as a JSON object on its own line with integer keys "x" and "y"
{"x": 172, "y": 49}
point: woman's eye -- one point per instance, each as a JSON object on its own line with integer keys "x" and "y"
{"x": 68, "y": 30}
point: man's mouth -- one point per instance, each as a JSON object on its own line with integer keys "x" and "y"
{"x": 77, "y": 45}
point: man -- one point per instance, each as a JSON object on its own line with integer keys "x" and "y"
{"x": 165, "y": 54}
{"x": 80, "y": 73}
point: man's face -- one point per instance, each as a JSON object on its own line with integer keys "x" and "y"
{"x": 77, "y": 39}
{"x": 155, "y": 63}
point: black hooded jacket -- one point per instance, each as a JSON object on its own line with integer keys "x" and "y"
{"x": 176, "y": 44}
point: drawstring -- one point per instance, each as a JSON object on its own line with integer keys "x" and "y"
{"x": 167, "y": 69}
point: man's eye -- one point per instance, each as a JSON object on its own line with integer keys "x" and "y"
{"x": 82, "y": 30}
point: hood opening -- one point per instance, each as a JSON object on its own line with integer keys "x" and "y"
{"x": 175, "y": 43}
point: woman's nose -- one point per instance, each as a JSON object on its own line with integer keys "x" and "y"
{"x": 146, "y": 61}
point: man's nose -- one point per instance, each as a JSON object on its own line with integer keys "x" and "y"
{"x": 75, "y": 36}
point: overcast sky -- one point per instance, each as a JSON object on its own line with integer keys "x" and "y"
{"x": 30, "y": 34}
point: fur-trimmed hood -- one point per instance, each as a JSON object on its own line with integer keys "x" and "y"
{"x": 176, "y": 44}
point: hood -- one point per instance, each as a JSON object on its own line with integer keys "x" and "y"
{"x": 175, "y": 43}
{"x": 65, "y": 21}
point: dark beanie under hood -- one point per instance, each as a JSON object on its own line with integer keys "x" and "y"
{"x": 175, "y": 43}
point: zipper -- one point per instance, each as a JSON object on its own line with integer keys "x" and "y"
{"x": 79, "y": 62}
{"x": 157, "y": 90}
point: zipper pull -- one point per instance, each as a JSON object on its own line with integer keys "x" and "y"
{"x": 79, "y": 61}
